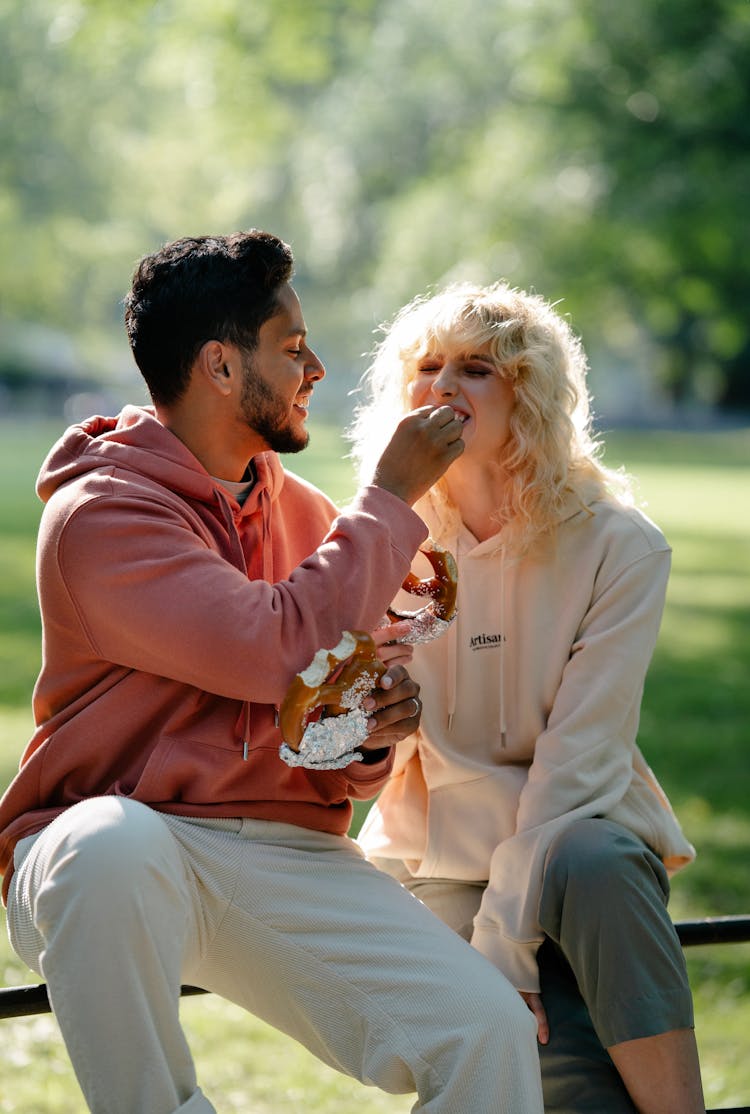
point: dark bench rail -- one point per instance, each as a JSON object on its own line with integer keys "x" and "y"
{"x": 714, "y": 930}
{"x": 25, "y": 1001}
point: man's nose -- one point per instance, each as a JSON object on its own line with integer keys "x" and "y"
{"x": 313, "y": 366}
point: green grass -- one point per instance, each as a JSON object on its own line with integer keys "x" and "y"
{"x": 694, "y": 732}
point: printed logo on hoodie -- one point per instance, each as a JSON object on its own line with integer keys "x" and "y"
{"x": 485, "y": 641}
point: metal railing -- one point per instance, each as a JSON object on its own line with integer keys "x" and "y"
{"x": 25, "y": 1001}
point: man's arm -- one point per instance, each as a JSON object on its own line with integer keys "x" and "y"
{"x": 138, "y": 582}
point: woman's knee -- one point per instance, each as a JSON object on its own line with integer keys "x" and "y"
{"x": 595, "y": 850}
{"x": 598, "y": 863}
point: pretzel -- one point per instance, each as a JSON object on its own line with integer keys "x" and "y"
{"x": 336, "y": 681}
{"x": 321, "y": 719}
{"x": 432, "y": 620}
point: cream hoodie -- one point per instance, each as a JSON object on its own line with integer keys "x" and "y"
{"x": 531, "y": 708}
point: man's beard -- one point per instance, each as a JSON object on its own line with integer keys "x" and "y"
{"x": 268, "y": 414}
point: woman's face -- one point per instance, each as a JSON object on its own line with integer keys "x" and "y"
{"x": 473, "y": 385}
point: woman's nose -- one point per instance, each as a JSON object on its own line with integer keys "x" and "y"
{"x": 444, "y": 383}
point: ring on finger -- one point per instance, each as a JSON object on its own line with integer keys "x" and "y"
{"x": 417, "y": 707}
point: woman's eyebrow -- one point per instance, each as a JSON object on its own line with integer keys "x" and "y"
{"x": 483, "y": 357}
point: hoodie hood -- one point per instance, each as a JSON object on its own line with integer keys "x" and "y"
{"x": 446, "y": 527}
{"x": 137, "y": 441}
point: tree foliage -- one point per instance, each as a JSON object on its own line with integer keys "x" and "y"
{"x": 593, "y": 150}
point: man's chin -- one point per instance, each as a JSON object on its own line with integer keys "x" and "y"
{"x": 298, "y": 445}
{"x": 290, "y": 442}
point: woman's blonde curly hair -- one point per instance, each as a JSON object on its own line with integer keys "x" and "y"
{"x": 551, "y": 452}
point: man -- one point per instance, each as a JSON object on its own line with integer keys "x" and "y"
{"x": 153, "y": 836}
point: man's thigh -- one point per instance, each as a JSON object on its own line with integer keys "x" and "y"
{"x": 322, "y": 945}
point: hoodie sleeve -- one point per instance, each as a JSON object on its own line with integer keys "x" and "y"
{"x": 583, "y": 760}
{"x": 140, "y": 586}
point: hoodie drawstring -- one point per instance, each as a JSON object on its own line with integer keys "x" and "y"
{"x": 267, "y": 574}
{"x": 266, "y": 548}
{"x": 503, "y": 725}
{"x": 451, "y": 636}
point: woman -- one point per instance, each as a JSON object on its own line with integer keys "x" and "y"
{"x": 522, "y": 812}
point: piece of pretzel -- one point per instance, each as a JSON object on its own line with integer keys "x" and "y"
{"x": 433, "y": 619}
{"x": 322, "y": 704}
{"x": 336, "y": 682}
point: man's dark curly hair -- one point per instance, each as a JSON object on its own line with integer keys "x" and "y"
{"x": 198, "y": 289}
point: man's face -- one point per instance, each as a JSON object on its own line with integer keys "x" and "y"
{"x": 278, "y": 378}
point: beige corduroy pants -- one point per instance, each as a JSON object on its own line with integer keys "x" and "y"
{"x": 116, "y": 905}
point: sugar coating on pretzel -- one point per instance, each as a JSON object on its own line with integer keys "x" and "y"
{"x": 434, "y": 618}
{"x": 335, "y": 683}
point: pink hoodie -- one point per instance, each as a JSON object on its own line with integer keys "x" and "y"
{"x": 173, "y": 621}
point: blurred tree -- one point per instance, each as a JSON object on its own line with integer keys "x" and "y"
{"x": 593, "y": 150}
{"x": 666, "y": 105}
{"x": 125, "y": 127}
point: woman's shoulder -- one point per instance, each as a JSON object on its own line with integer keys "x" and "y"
{"x": 629, "y": 519}
{"x": 625, "y": 533}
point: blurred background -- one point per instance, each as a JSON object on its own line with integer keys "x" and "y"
{"x": 597, "y": 151}
{"x": 593, "y": 150}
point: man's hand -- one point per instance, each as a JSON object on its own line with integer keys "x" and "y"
{"x": 394, "y": 708}
{"x": 424, "y": 444}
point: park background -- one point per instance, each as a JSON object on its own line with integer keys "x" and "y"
{"x": 595, "y": 151}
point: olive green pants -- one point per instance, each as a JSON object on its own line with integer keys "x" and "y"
{"x": 611, "y": 965}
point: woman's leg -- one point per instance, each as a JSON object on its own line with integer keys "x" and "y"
{"x": 603, "y": 904}
{"x": 578, "y": 1076}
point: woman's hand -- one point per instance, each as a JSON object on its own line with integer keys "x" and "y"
{"x": 534, "y": 1002}
{"x": 391, "y": 652}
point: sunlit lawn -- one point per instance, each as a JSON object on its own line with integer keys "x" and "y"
{"x": 694, "y": 731}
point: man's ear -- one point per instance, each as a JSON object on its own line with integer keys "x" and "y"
{"x": 216, "y": 363}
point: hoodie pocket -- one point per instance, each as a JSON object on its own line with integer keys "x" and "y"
{"x": 187, "y": 770}
{"x": 468, "y": 820}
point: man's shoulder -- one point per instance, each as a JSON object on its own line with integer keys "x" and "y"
{"x": 306, "y": 493}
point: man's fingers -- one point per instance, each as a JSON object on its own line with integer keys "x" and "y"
{"x": 395, "y": 689}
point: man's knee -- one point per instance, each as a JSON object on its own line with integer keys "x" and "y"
{"x": 493, "y": 1010}
{"x": 103, "y": 845}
